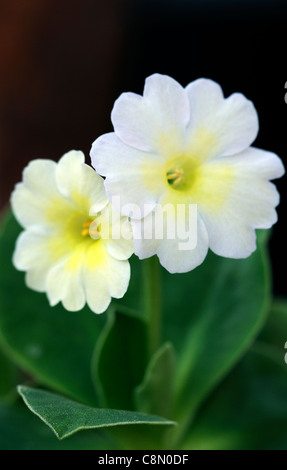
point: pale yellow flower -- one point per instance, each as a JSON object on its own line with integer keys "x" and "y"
{"x": 66, "y": 247}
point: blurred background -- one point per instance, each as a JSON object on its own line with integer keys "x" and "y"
{"x": 62, "y": 65}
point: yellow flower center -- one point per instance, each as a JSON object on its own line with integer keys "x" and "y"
{"x": 175, "y": 176}
{"x": 90, "y": 228}
{"x": 182, "y": 173}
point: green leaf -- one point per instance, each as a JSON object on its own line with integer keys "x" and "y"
{"x": 65, "y": 417}
{"x": 248, "y": 411}
{"x": 211, "y": 315}
{"x": 226, "y": 306}
{"x": 274, "y": 333}
{"x": 8, "y": 378}
{"x": 51, "y": 344}
{"x": 22, "y": 430}
{"x": 120, "y": 358}
{"x": 154, "y": 394}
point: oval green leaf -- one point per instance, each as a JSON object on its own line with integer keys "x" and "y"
{"x": 248, "y": 411}
{"x": 211, "y": 315}
{"x": 65, "y": 417}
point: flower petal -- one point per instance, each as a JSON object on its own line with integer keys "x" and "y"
{"x": 106, "y": 281}
{"x": 27, "y": 208}
{"x": 80, "y": 183}
{"x": 64, "y": 285}
{"x": 30, "y": 248}
{"x": 145, "y": 242}
{"x": 31, "y": 198}
{"x": 169, "y": 101}
{"x": 179, "y": 238}
{"x": 39, "y": 177}
{"x": 249, "y": 203}
{"x": 228, "y": 126}
{"x": 135, "y": 179}
{"x": 31, "y": 255}
{"x": 175, "y": 259}
{"x": 156, "y": 121}
{"x": 116, "y": 233}
{"x": 257, "y": 162}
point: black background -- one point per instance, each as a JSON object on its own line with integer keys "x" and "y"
{"x": 62, "y": 65}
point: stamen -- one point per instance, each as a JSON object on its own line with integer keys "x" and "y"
{"x": 90, "y": 228}
{"x": 175, "y": 176}
{"x": 85, "y": 232}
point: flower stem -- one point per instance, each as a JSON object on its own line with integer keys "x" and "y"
{"x": 152, "y": 301}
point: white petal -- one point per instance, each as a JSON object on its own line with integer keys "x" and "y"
{"x": 146, "y": 242}
{"x": 39, "y": 177}
{"x": 159, "y": 233}
{"x": 31, "y": 247}
{"x": 31, "y": 254}
{"x": 121, "y": 249}
{"x": 36, "y": 277}
{"x": 65, "y": 285}
{"x": 255, "y": 162}
{"x": 205, "y": 97}
{"x": 30, "y": 199}
{"x": 68, "y": 171}
{"x": 80, "y": 183}
{"x": 169, "y": 101}
{"x": 230, "y": 236}
{"x": 230, "y": 125}
{"x": 97, "y": 292}
{"x": 108, "y": 280}
{"x": 135, "y": 179}
{"x": 156, "y": 121}
{"x": 27, "y": 207}
{"x": 249, "y": 204}
{"x": 118, "y": 277}
{"x": 116, "y": 232}
{"x": 177, "y": 260}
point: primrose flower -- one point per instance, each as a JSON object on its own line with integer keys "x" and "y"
{"x": 189, "y": 147}
{"x": 67, "y": 247}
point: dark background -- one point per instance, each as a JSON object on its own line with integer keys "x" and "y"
{"x": 63, "y": 63}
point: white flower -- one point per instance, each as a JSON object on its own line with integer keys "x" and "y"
{"x": 176, "y": 145}
{"x": 66, "y": 247}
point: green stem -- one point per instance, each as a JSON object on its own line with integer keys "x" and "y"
{"x": 152, "y": 301}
